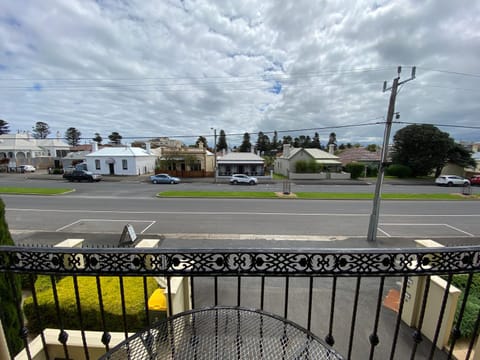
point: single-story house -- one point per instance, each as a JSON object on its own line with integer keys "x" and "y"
{"x": 185, "y": 161}
{"x": 247, "y": 163}
{"x": 286, "y": 163}
{"x": 121, "y": 160}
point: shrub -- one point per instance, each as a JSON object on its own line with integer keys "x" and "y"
{"x": 400, "y": 171}
{"x": 301, "y": 166}
{"x": 90, "y": 307}
{"x": 355, "y": 169}
{"x": 307, "y": 166}
{"x": 472, "y": 307}
{"x": 9, "y": 294}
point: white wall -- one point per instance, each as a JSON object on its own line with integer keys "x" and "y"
{"x": 135, "y": 165}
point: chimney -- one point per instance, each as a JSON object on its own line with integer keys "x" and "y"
{"x": 94, "y": 146}
{"x": 331, "y": 148}
{"x": 148, "y": 147}
{"x": 286, "y": 150}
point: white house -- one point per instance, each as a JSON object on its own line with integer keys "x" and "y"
{"x": 23, "y": 149}
{"x": 121, "y": 160}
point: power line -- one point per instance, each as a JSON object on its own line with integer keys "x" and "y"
{"x": 439, "y": 125}
{"x": 450, "y": 72}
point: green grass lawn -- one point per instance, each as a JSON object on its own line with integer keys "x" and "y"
{"x": 311, "y": 195}
{"x": 33, "y": 191}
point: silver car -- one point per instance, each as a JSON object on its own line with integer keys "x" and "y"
{"x": 451, "y": 180}
{"x": 243, "y": 179}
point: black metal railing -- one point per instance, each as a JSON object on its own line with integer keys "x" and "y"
{"x": 340, "y": 295}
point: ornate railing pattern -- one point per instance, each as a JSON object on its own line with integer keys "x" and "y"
{"x": 247, "y": 262}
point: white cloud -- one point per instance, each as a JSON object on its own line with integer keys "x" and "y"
{"x": 179, "y": 68}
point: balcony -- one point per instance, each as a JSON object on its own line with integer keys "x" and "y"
{"x": 364, "y": 303}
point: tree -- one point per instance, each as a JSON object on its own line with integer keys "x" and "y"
{"x": 332, "y": 140}
{"x": 115, "y": 138}
{"x": 423, "y": 148}
{"x": 10, "y": 293}
{"x": 72, "y": 136}
{"x": 98, "y": 139}
{"x": 275, "y": 145}
{"x": 222, "y": 141}
{"x": 41, "y": 130}
{"x": 263, "y": 143}
{"x": 245, "y": 146}
{"x": 372, "y": 147}
{"x": 316, "y": 141}
{"x": 203, "y": 140}
{"x": 4, "y": 127}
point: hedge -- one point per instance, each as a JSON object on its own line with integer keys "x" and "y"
{"x": 90, "y": 307}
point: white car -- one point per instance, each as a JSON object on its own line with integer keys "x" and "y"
{"x": 243, "y": 179}
{"x": 451, "y": 180}
{"x": 27, "y": 168}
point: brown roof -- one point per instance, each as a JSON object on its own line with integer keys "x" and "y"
{"x": 359, "y": 155}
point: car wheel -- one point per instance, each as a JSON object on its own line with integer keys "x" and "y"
{"x": 172, "y": 182}
{"x": 449, "y": 184}
{"x": 234, "y": 182}
{"x": 252, "y": 182}
{"x": 155, "y": 181}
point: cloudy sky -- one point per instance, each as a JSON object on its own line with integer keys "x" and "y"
{"x": 180, "y": 68}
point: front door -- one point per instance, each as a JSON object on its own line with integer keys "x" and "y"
{"x": 111, "y": 168}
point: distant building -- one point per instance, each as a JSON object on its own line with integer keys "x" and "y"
{"x": 23, "y": 149}
{"x": 246, "y": 163}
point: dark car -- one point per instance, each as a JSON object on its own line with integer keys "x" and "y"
{"x": 164, "y": 179}
{"x": 475, "y": 180}
{"x": 82, "y": 175}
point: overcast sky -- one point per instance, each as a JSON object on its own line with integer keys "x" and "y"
{"x": 179, "y": 68}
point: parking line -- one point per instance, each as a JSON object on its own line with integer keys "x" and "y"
{"x": 454, "y": 228}
{"x": 387, "y": 234}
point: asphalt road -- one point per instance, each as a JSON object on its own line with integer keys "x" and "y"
{"x": 100, "y": 211}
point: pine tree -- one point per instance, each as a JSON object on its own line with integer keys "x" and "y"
{"x": 98, "y": 139}
{"x": 115, "y": 138}
{"x": 72, "y": 136}
{"x": 245, "y": 146}
{"x": 222, "y": 142}
{"x": 4, "y": 127}
{"x": 41, "y": 130}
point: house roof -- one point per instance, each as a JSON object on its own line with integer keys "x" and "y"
{"x": 120, "y": 151}
{"x": 17, "y": 142}
{"x": 319, "y": 155}
{"x": 360, "y": 154}
{"x": 240, "y": 157}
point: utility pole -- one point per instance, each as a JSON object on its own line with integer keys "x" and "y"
{"x": 373, "y": 224}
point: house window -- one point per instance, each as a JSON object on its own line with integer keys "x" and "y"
{"x": 97, "y": 164}
{"x": 125, "y": 164}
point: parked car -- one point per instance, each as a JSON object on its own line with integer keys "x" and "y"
{"x": 451, "y": 180}
{"x": 243, "y": 179}
{"x": 80, "y": 175}
{"x": 475, "y": 180}
{"x": 27, "y": 168}
{"x": 164, "y": 179}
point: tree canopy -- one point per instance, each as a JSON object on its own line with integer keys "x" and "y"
{"x": 245, "y": 146}
{"x": 98, "y": 139}
{"x": 115, "y": 138}
{"x": 424, "y": 148}
{"x": 41, "y": 130}
{"x": 203, "y": 140}
{"x": 222, "y": 142}
{"x": 4, "y": 127}
{"x": 72, "y": 135}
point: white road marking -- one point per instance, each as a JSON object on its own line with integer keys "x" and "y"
{"x": 454, "y": 228}
{"x": 383, "y": 231}
{"x": 107, "y": 220}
